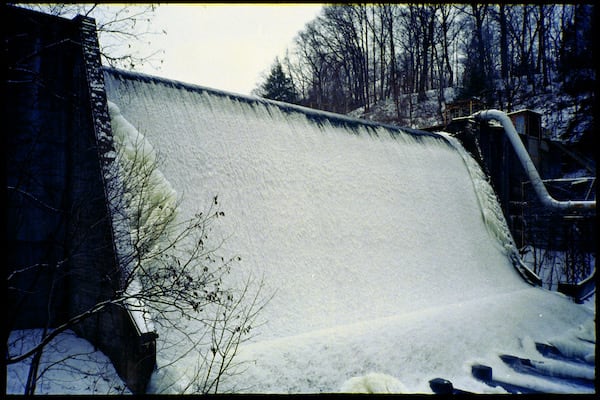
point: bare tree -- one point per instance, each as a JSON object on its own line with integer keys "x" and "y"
{"x": 168, "y": 267}
{"x": 123, "y": 30}
{"x": 354, "y": 55}
{"x": 175, "y": 271}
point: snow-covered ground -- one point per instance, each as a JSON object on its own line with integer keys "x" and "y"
{"x": 386, "y": 254}
{"x": 562, "y": 114}
{"x": 70, "y": 365}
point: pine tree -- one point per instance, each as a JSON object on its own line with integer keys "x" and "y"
{"x": 278, "y": 86}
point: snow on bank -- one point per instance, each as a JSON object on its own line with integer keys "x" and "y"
{"x": 70, "y": 365}
{"x": 564, "y": 117}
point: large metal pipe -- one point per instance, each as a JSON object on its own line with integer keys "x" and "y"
{"x": 538, "y": 185}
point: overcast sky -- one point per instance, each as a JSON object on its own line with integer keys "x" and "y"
{"x": 225, "y": 47}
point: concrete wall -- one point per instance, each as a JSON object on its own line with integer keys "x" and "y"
{"x": 61, "y": 253}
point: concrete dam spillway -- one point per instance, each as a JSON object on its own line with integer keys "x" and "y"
{"x": 384, "y": 249}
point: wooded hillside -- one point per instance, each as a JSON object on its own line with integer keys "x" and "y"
{"x": 362, "y": 56}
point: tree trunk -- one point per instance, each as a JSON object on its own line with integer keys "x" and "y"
{"x": 393, "y": 66}
{"x": 503, "y": 44}
{"x": 445, "y": 45}
{"x": 542, "y": 57}
{"x": 426, "y": 27}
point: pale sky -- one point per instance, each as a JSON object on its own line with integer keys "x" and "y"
{"x": 225, "y": 47}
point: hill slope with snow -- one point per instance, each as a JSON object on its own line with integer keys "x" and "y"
{"x": 565, "y": 117}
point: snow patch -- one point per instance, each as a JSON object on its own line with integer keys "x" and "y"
{"x": 71, "y": 365}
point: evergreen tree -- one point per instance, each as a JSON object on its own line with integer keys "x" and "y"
{"x": 475, "y": 81}
{"x": 278, "y": 86}
{"x": 477, "y": 75}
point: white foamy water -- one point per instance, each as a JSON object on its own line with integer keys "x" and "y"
{"x": 383, "y": 250}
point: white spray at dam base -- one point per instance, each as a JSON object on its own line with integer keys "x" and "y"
{"x": 386, "y": 254}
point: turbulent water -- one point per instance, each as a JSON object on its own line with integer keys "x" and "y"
{"x": 367, "y": 237}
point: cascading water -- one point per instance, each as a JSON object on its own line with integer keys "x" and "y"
{"x": 378, "y": 245}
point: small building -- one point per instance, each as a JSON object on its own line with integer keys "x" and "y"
{"x": 527, "y": 122}
{"x": 462, "y": 108}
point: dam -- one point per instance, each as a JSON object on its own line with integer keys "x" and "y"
{"x": 381, "y": 249}
{"x": 379, "y": 255}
